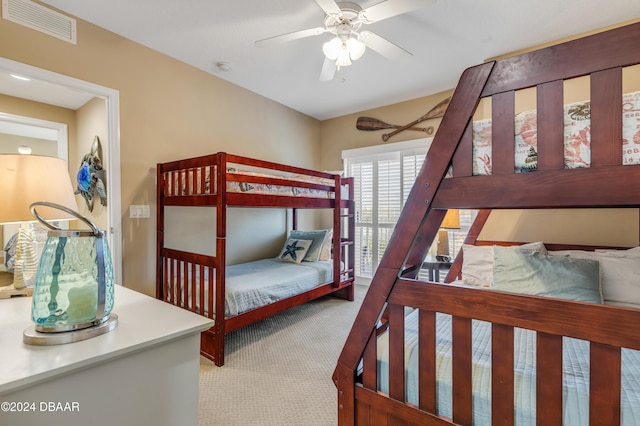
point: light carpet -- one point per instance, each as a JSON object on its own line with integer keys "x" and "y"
{"x": 278, "y": 371}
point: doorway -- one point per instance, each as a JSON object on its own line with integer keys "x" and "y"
{"x": 51, "y": 88}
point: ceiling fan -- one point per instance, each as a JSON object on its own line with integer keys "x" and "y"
{"x": 344, "y": 20}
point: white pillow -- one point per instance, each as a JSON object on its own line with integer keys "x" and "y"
{"x": 635, "y": 251}
{"x": 327, "y": 246}
{"x": 620, "y": 271}
{"x": 477, "y": 262}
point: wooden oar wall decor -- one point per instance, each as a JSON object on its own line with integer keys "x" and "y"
{"x": 371, "y": 124}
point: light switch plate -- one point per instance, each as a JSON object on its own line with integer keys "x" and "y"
{"x": 139, "y": 211}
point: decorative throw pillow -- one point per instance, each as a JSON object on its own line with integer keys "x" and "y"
{"x": 294, "y": 250}
{"x": 317, "y": 240}
{"x": 477, "y": 265}
{"x": 620, "y": 271}
{"x": 538, "y": 274}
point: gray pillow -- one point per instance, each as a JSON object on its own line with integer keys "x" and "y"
{"x": 538, "y": 274}
{"x": 317, "y": 240}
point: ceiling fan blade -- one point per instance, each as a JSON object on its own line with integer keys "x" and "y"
{"x": 390, "y": 8}
{"x": 328, "y": 70}
{"x": 383, "y": 46}
{"x": 282, "y": 38}
{"x": 329, "y": 6}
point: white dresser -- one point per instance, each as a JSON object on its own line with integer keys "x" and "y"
{"x": 144, "y": 372}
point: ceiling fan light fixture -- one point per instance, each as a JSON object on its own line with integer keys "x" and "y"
{"x": 343, "y": 52}
{"x": 343, "y": 59}
{"x": 332, "y": 48}
{"x": 356, "y": 48}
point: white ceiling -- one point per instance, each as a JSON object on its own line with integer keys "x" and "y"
{"x": 13, "y": 84}
{"x": 444, "y": 37}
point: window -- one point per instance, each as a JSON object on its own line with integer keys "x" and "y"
{"x": 383, "y": 177}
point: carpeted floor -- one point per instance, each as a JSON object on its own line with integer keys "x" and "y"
{"x": 278, "y": 371}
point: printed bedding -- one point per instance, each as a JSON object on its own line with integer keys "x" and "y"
{"x": 575, "y": 374}
{"x": 259, "y": 283}
{"x": 577, "y": 137}
{"x": 194, "y": 188}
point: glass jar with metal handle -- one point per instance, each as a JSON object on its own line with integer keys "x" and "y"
{"x": 74, "y": 283}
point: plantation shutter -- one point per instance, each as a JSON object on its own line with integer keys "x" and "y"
{"x": 383, "y": 177}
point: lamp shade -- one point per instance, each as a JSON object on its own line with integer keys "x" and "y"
{"x": 332, "y": 48}
{"x": 451, "y": 219}
{"x": 25, "y": 179}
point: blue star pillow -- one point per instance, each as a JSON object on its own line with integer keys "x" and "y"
{"x": 294, "y": 250}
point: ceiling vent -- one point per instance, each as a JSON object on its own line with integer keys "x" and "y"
{"x": 40, "y": 18}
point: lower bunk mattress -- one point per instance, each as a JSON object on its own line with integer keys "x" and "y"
{"x": 254, "y": 284}
{"x": 575, "y": 374}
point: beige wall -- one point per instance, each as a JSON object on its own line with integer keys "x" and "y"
{"x": 168, "y": 111}
{"x": 26, "y": 108}
{"x": 340, "y": 133}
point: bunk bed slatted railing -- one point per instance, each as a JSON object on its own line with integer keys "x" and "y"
{"x": 184, "y": 270}
{"x": 394, "y": 287}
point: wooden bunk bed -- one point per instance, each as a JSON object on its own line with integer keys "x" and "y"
{"x": 222, "y": 181}
{"x": 375, "y": 383}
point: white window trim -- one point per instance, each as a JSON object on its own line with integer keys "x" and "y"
{"x": 421, "y": 144}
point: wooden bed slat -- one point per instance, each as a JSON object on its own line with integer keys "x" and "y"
{"x": 201, "y": 295}
{"x": 370, "y": 364}
{"x": 427, "y": 360}
{"x": 462, "y": 373}
{"x": 550, "y": 125}
{"x": 502, "y": 397}
{"x": 604, "y": 390}
{"x": 606, "y": 117}
{"x": 396, "y": 352}
{"x": 549, "y": 379}
{"x": 503, "y": 133}
{"x": 463, "y": 158}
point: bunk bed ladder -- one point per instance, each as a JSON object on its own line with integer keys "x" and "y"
{"x": 343, "y": 243}
{"x": 348, "y": 240}
{"x": 405, "y": 254}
